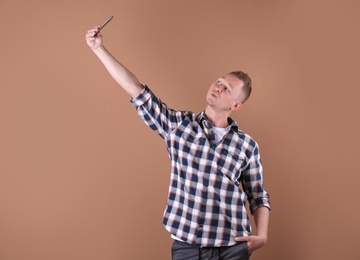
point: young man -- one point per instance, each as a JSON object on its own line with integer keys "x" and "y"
{"x": 215, "y": 167}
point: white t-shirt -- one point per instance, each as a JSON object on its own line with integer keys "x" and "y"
{"x": 219, "y": 133}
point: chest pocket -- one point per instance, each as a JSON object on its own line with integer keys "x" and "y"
{"x": 230, "y": 165}
{"x": 192, "y": 143}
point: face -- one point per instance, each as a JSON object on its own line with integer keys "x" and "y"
{"x": 224, "y": 94}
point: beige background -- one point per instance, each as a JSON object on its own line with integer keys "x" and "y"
{"x": 83, "y": 178}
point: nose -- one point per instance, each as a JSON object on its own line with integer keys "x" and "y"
{"x": 219, "y": 88}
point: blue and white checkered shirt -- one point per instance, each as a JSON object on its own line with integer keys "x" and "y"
{"x": 210, "y": 181}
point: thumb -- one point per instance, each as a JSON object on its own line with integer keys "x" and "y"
{"x": 242, "y": 239}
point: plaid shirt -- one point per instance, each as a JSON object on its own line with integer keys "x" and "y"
{"x": 206, "y": 205}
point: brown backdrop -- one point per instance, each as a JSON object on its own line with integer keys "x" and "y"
{"x": 83, "y": 178}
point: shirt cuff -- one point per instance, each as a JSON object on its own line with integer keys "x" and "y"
{"x": 264, "y": 202}
{"x": 142, "y": 98}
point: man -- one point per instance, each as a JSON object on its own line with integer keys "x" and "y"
{"x": 215, "y": 167}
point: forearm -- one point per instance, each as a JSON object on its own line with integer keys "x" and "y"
{"x": 258, "y": 240}
{"x": 125, "y": 78}
{"x": 261, "y": 217}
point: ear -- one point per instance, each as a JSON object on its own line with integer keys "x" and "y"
{"x": 236, "y": 106}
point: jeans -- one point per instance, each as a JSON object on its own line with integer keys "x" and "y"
{"x": 184, "y": 251}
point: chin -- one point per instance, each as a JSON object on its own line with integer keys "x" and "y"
{"x": 209, "y": 101}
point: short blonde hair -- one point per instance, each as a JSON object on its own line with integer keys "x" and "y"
{"x": 247, "y": 88}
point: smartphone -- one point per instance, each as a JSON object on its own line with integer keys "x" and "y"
{"x": 102, "y": 26}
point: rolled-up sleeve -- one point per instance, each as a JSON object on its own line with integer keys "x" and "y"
{"x": 252, "y": 182}
{"x": 156, "y": 114}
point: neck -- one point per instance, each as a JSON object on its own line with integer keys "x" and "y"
{"x": 216, "y": 118}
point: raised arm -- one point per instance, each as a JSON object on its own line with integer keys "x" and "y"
{"x": 125, "y": 78}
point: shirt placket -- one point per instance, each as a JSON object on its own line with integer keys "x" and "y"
{"x": 205, "y": 180}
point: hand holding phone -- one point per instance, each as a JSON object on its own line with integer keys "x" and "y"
{"x": 102, "y": 26}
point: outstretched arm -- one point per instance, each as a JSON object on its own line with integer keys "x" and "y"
{"x": 125, "y": 78}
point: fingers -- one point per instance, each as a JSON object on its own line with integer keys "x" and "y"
{"x": 253, "y": 242}
{"x": 92, "y": 31}
{"x": 93, "y": 42}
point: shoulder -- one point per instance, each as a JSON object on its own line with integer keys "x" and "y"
{"x": 246, "y": 139}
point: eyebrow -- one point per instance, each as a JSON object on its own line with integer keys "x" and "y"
{"x": 227, "y": 82}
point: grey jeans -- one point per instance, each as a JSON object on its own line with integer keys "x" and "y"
{"x": 184, "y": 251}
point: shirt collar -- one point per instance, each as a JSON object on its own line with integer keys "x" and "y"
{"x": 202, "y": 120}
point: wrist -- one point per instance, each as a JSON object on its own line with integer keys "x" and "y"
{"x": 99, "y": 49}
{"x": 262, "y": 238}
